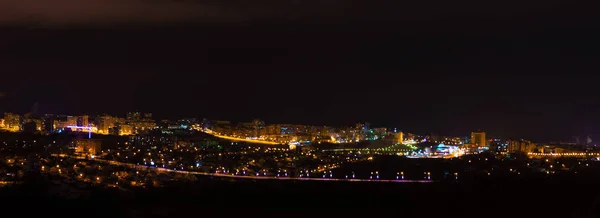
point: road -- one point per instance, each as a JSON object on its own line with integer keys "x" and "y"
{"x": 247, "y": 140}
{"x": 142, "y": 167}
{"x": 239, "y": 139}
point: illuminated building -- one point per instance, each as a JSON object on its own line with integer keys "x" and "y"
{"x": 140, "y": 122}
{"x": 497, "y": 145}
{"x": 520, "y": 146}
{"x": 72, "y": 121}
{"x": 478, "y": 139}
{"x": 106, "y": 122}
{"x": 273, "y": 129}
{"x": 59, "y": 122}
{"x": 169, "y": 141}
{"x": 142, "y": 125}
{"x": 39, "y": 125}
{"x": 360, "y": 132}
{"x": 362, "y": 126}
{"x": 286, "y": 130}
{"x": 324, "y": 131}
{"x": 125, "y": 129}
{"x": 49, "y": 123}
{"x": 87, "y": 146}
{"x": 245, "y": 130}
{"x": 134, "y": 115}
{"x": 83, "y": 120}
{"x": 399, "y": 138}
{"x": 447, "y": 150}
{"x": 380, "y": 131}
{"x": 12, "y": 121}
{"x": 293, "y": 133}
{"x": 258, "y": 126}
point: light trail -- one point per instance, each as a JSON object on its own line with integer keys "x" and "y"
{"x": 291, "y": 178}
{"x": 239, "y": 139}
{"x": 142, "y": 167}
{"x": 247, "y": 140}
{"x": 572, "y": 154}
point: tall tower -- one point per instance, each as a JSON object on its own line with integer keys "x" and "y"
{"x": 399, "y": 138}
{"x": 83, "y": 120}
{"x": 478, "y": 139}
{"x": 257, "y": 126}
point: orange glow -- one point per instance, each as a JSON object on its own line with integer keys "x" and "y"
{"x": 242, "y": 139}
{"x": 247, "y": 140}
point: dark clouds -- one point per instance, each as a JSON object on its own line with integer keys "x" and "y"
{"x": 111, "y": 11}
{"x": 58, "y": 12}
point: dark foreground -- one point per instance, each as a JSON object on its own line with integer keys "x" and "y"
{"x": 531, "y": 198}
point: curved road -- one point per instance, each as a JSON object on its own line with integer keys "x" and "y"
{"x": 142, "y": 167}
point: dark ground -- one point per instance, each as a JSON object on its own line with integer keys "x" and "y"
{"x": 533, "y": 198}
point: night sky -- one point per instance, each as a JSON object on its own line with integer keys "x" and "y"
{"x": 513, "y": 69}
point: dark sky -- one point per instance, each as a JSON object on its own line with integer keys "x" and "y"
{"x": 515, "y": 68}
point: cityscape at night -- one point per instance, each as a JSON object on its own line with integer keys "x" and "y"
{"x": 76, "y": 154}
{"x": 299, "y": 108}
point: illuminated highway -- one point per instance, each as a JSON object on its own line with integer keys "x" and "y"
{"x": 239, "y": 139}
{"x": 142, "y": 167}
{"x": 566, "y": 154}
{"x": 289, "y": 178}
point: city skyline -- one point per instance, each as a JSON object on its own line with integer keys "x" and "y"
{"x": 101, "y": 123}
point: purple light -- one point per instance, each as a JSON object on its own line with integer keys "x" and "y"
{"x": 80, "y": 127}
{"x": 83, "y": 127}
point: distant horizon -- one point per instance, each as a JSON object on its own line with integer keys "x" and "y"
{"x": 390, "y": 128}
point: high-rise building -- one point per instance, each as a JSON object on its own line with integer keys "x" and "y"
{"x": 83, "y": 120}
{"x": 106, "y": 122}
{"x": 140, "y": 122}
{"x": 72, "y": 121}
{"x": 49, "y": 123}
{"x": 12, "y": 121}
{"x": 398, "y": 137}
{"x": 125, "y": 129}
{"x": 63, "y": 121}
{"x": 134, "y": 115}
{"x": 520, "y": 146}
{"x": 478, "y": 139}
{"x": 143, "y": 125}
{"x": 257, "y": 126}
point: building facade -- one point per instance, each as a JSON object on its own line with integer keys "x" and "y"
{"x": 478, "y": 139}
